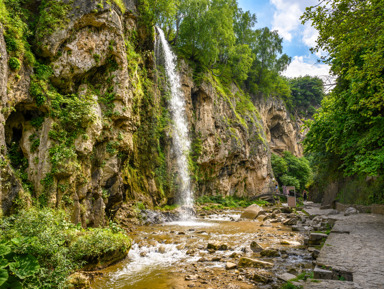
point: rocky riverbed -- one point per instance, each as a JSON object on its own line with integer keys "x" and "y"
{"x": 219, "y": 249}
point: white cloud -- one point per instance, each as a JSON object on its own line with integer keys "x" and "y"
{"x": 286, "y": 20}
{"x": 299, "y": 67}
{"x": 310, "y": 35}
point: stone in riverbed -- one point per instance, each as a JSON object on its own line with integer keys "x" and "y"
{"x": 191, "y": 277}
{"x": 255, "y": 247}
{"x": 217, "y": 246}
{"x": 251, "y": 212}
{"x": 291, "y": 221}
{"x": 230, "y": 266}
{"x": 270, "y": 253}
{"x": 234, "y": 255}
{"x": 254, "y": 263}
{"x": 262, "y": 277}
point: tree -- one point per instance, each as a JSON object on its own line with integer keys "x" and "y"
{"x": 307, "y": 93}
{"x": 243, "y": 27}
{"x": 350, "y": 125}
{"x": 267, "y": 64}
{"x": 206, "y": 32}
{"x": 291, "y": 171}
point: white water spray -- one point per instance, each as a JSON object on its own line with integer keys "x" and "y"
{"x": 180, "y": 138}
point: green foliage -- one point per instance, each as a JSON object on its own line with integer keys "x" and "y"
{"x": 291, "y": 171}
{"x": 41, "y": 248}
{"x": 307, "y": 93}
{"x": 120, "y": 4}
{"x": 17, "y": 22}
{"x": 37, "y": 122}
{"x": 348, "y": 131}
{"x": 53, "y": 16}
{"x": 14, "y": 63}
{"x": 206, "y": 30}
{"x": 287, "y": 180}
{"x": 267, "y": 64}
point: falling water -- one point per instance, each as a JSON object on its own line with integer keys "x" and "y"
{"x": 181, "y": 142}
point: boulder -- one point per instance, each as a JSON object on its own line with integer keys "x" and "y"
{"x": 262, "y": 277}
{"x": 217, "y": 246}
{"x": 254, "y": 263}
{"x": 78, "y": 281}
{"x": 251, "y": 212}
{"x": 291, "y": 221}
{"x": 350, "y": 211}
{"x": 255, "y": 247}
{"x": 270, "y": 253}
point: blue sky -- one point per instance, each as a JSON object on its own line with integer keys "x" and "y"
{"x": 284, "y": 16}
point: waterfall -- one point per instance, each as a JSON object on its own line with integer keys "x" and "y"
{"x": 180, "y": 139}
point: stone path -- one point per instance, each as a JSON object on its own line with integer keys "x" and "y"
{"x": 355, "y": 246}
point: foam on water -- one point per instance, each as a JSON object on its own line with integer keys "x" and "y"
{"x": 144, "y": 260}
{"x": 191, "y": 223}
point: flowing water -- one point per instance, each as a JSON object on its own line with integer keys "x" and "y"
{"x": 181, "y": 141}
{"x": 164, "y": 255}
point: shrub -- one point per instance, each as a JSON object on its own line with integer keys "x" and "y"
{"x": 41, "y": 248}
{"x": 14, "y": 63}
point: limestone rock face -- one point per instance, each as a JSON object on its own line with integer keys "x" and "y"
{"x": 86, "y": 127}
{"x": 234, "y": 157}
{"x": 72, "y": 147}
{"x": 282, "y": 132}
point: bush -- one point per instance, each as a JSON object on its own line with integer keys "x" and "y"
{"x": 287, "y": 180}
{"x": 41, "y": 248}
{"x": 14, "y": 63}
{"x": 291, "y": 171}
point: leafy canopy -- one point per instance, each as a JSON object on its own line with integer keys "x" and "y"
{"x": 350, "y": 125}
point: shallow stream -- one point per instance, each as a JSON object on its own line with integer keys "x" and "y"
{"x": 175, "y": 255}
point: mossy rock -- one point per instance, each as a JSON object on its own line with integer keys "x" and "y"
{"x": 254, "y": 263}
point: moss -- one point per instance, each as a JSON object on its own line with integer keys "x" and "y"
{"x": 17, "y": 23}
{"x": 14, "y": 63}
{"x": 53, "y": 16}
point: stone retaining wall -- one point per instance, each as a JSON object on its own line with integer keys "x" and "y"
{"x": 374, "y": 209}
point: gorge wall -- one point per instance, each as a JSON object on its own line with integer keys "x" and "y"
{"x": 86, "y": 128}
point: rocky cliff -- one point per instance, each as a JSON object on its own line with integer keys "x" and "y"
{"x": 283, "y": 132}
{"x": 85, "y": 126}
